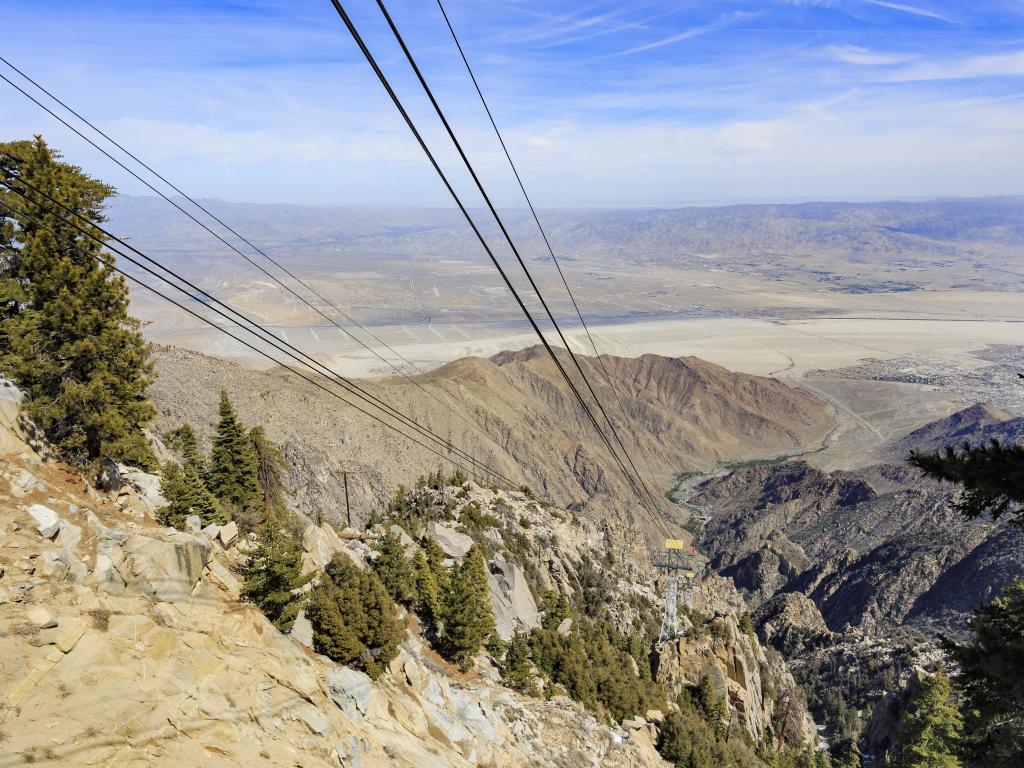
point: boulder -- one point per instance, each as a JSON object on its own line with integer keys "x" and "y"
{"x": 147, "y": 486}
{"x": 68, "y": 535}
{"x": 321, "y": 543}
{"x": 511, "y": 600}
{"x": 194, "y": 523}
{"x": 350, "y": 690}
{"x": 41, "y": 617}
{"x": 212, "y": 531}
{"x": 47, "y": 522}
{"x": 228, "y": 534}
{"x": 54, "y": 564}
{"x": 564, "y": 627}
{"x": 408, "y": 545}
{"x": 167, "y": 569}
{"x": 452, "y": 543}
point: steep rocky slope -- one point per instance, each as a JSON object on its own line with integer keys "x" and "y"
{"x": 874, "y": 549}
{"x": 681, "y": 414}
{"x": 123, "y": 642}
{"x": 852, "y": 575}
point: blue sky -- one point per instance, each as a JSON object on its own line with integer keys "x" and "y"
{"x": 604, "y": 103}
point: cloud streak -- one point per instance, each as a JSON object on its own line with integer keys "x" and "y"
{"x": 913, "y": 10}
{"x": 687, "y": 34}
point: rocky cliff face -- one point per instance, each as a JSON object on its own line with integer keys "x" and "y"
{"x": 853, "y": 574}
{"x": 761, "y": 694}
{"x": 515, "y": 414}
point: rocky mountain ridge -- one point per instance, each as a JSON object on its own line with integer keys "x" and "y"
{"x": 682, "y": 414}
{"x": 852, "y": 575}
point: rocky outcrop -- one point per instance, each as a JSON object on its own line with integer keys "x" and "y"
{"x": 743, "y": 674}
{"x": 452, "y": 543}
{"x": 168, "y": 568}
{"x": 511, "y": 600}
{"x": 791, "y": 623}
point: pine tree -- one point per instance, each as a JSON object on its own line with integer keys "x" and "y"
{"x": 394, "y": 570}
{"x": 932, "y": 727}
{"x": 991, "y": 681}
{"x": 353, "y": 618}
{"x": 66, "y": 336}
{"x": 187, "y": 494}
{"x": 275, "y": 573}
{"x": 233, "y": 470}
{"x": 270, "y": 467}
{"x": 335, "y": 613}
{"x": 427, "y": 604}
{"x": 183, "y": 439}
{"x": 556, "y": 609}
{"x": 846, "y": 754}
{"x": 711, "y": 706}
{"x": 515, "y": 669}
{"x": 435, "y": 558}
{"x": 467, "y": 609}
{"x": 383, "y": 631}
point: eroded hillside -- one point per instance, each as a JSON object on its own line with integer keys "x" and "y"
{"x": 682, "y": 414}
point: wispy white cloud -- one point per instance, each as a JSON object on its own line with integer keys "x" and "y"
{"x": 997, "y": 65}
{"x": 687, "y": 34}
{"x": 913, "y": 10}
{"x": 853, "y": 54}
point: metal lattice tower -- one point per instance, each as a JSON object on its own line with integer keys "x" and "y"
{"x": 676, "y": 563}
{"x": 669, "y": 619}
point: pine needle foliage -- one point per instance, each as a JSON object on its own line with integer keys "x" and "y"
{"x": 991, "y": 477}
{"x": 427, "y": 604}
{"x": 932, "y": 727}
{"x": 187, "y": 494}
{"x": 270, "y": 467}
{"x": 991, "y": 681}
{"x": 516, "y": 670}
{"x": 66, "y": 337}
{"x": 183, "y": 440}
{"x": 394, "y": 569}
{"x": 274, "y": 573}
{"x": 711, "y": 706}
